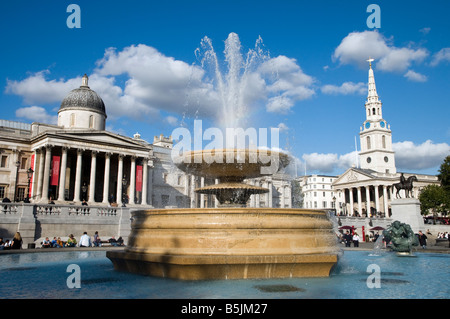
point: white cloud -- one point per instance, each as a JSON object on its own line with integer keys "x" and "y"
{"x": 345, "y": 88}
{"x": 426, "y": 155}
{"x": 357, "y": 47}
{"x": 328, "y": 162}
{"x": 140, "y": 82}
{"x": 442, "y": 56}
{"x": 172, "y": 120}
{"x": 425, "y": 30}
{"x": 36, "y": 114}
{"x": 283, "y": 127}
{"x": 415, "y": 77}
{"x": 35, "y": 89}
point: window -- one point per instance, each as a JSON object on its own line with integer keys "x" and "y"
{"x": 368, "y": 142}
{"x": 164, "y": 175}
{"x": 4, "y": 161}
{"x": 72, "y": 119}
{"x": 20, "y": 193}
{"x": 324, "y": 204}
{"x": 165, "y": 200}
{"x": 383, "y": 141}
{"x": 323, "y": 194}
{"x": 2, "y": 191}
{"x": 315, "y": 204}
{"x": 91, "y": 121}
{"x": 23, "y": 163}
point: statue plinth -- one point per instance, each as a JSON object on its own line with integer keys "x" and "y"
{"x": 407, "y": 210}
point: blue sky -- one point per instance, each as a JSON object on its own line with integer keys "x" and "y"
{"x": 140, "y": 56}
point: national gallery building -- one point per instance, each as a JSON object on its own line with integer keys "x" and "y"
{"x": 78, "y": 160}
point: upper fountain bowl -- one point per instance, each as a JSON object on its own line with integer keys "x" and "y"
{"x": 233, "y": 164}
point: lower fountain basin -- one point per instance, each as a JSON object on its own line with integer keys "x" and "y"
{"x": 229, "y": 243}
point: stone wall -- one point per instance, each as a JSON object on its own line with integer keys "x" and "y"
{"x": 37, "y": 221}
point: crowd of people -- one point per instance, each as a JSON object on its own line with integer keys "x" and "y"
{"x": 85, "y": 241}
{"x": 57, "y": 242}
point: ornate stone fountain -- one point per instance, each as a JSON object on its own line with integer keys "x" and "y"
{"x": 232, "y": 241}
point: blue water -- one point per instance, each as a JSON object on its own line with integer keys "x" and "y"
{"x": 44, "y": 275}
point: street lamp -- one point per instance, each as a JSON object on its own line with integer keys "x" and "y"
{"x": 29, "y": 175}
{"x": 17, "y": 180}
{"x": 124, "y": 184}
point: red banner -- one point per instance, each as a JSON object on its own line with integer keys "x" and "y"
{"x": 55, "y": 170}
{"x": 31, "y": 179}
{"x": 138, "y": 178}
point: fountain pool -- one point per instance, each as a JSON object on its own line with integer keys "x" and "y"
{"x": 44, "y": 275}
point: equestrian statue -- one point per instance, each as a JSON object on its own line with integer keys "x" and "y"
{"x": 406, "y": 184}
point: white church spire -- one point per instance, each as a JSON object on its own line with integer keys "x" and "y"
{"x": 373, "y": 103}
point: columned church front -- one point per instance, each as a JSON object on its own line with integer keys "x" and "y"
{"x": 367, "y": 190}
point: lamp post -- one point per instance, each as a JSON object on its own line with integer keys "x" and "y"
{"x": 17, "y": 180}
{"x": 29, "y": 175}
{"x": 124, "y": 184}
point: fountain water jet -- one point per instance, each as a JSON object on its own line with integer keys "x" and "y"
{"x": 232, "y": 241}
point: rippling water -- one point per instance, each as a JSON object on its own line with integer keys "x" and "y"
{"x": 44, "y": 275}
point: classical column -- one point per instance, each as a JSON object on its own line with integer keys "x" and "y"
{"x": 350, "y": 191}
{"x": 359, "y": 201}
{"x": 106, "y": 178}
{"x": 40, "y": 174}
{"x": 266, "y": 199}
{"x": 202, "y": 196}
{"x": 92, "y": 177}
{"x": 192, "y": 196}
{"x": 216, "y": 201}
{"x": 377, "y": 200}
{"x": 252, "y": 197}
{"x": 76, "y": 196}
{"x": 270, "y": 194}
{"x": 257, "y": 197}
{"x": 119, "y": 179}
{"x": 368, "y": 201}
{"x": 62, "y": 175}
{"x": 385, "y": 201}
{"x": 46, "y": 180}
{"x": 145, "y": 183}
{"x": 132, "y": 179}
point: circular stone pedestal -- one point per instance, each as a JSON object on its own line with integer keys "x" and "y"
{"x": 229, "y": 243}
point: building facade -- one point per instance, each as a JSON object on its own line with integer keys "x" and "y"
{"x": 78, "y": 160}
{"x": 367, "y": 190}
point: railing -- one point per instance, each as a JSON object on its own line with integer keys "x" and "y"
{"x": 9, "y": 209}
{"x": 72, "y": 210}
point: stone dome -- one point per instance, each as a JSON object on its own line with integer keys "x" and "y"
{"x": 83, "y": 98}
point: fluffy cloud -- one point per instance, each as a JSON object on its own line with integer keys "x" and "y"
{"x": 357, "y": 47}
{"x": 36, "y": 89}
{"x": 36, "y": 114}
{"x": 441, "y": 56}
{"x": 415, "y": 77}
{"x": 345, "y": 88}
{"x": 141, "y": 83}
{"x": 328, "y": 162}
{"x": 410, "y": 156}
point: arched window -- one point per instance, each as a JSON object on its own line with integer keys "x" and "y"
{"x": 368, "y": 142}
{"x": 373, "y": 111}
{"x": 383, "y": 141}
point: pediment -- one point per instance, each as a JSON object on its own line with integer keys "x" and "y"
{"x": 92, "y": 138}
{"x": 353, "y": 175}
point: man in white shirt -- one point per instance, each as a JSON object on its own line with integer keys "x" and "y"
{"x": 85, "y": 240}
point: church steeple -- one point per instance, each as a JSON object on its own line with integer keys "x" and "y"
{"x": 373, "y": 103}
{"x": 375, "y": 136}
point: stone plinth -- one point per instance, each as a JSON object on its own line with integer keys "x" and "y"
{"x": 229, "y": 243}
{"x": 407, "y": 210}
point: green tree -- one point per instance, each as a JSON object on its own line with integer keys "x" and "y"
{"x": 444, "y": 174}
{"x": 434, "y": 198}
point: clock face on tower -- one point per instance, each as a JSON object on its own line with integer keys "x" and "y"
{"x": 382, "y": 124}
{"x": 367, "y": 125}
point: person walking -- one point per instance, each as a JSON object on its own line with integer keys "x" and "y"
{"x": 348, "y": 239}
{"x": 422, "y": 239}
